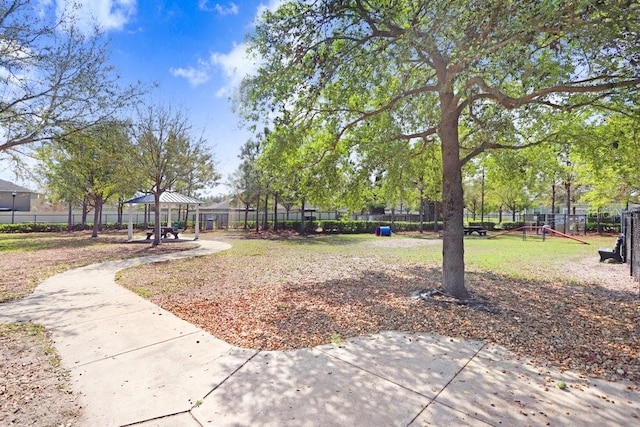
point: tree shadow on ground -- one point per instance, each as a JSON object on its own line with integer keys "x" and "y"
{"x": 567, "y": 324}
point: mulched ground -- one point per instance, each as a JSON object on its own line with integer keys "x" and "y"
{"x": 587, "y": 322}
{"x": 22, "y": 271}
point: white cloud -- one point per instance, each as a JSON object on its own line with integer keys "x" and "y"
{"x": 105, "y": 14}
{"x": 237, "y": 63}
{"x": 195, "y": 76}
{"x": 235, "y": 66}
{"x": 231, "y": 9}
{"x": 42, "y": 6}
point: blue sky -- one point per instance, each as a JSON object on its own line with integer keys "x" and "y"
{"x": 192, "y": 48}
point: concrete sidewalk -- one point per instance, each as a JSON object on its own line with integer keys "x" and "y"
{"x": 133, "y": 363}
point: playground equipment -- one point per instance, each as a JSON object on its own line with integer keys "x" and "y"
{"x": 537, "y": 230}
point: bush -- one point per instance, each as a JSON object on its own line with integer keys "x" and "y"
{"x": 510, "y": 225}
{"x": 369, "y": 227}
{"x": 31, "y": 227}
{"x": 41, "y": 227}
{"x": 486, "y": 225}
{"x": 294, "y": 225}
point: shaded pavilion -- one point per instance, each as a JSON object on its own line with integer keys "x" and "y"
{"x": 168, "y": 199}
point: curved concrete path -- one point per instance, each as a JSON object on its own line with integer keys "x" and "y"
{"x": 133, "y": 363}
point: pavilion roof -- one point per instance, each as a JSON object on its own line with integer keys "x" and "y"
{"x": 166, "y": 197}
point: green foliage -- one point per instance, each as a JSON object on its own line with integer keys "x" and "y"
{"x": 354, "y": 84}
{"x": 510, "y": 225}
{"x": 310, "y": 227}
{"x": 32, "y": 228}
{"x": 486, "y": 225}
{"x": 39, "y": 227}
{"x": 90, "y": 166}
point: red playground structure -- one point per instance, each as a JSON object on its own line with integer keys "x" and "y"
{"x": 537, "y": 230}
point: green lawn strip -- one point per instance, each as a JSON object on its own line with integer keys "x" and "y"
{"x": 518, "y": 258}
{"x": 508, "y": 255}
{"x": 28, "y": 242}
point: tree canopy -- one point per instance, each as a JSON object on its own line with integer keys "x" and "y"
{"x": 455, "y": 72}
{"x": 95, "y": 164}
{"x": 167, "y": 155}
{"x": 54, "y": 78}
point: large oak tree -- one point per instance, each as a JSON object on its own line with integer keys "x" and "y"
{"x": 442, "y": 70}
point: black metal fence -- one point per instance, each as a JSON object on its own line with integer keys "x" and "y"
{"x": 632, "y": 241}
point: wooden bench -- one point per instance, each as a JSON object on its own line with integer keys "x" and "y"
{"x": 164, "y": 231}
{"x": 615, "y": 253}
{"x": 474, "y": 228}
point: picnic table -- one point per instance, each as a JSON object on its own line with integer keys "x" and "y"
{"x": 475, "y": 228}
{"x": 164, "y": 231}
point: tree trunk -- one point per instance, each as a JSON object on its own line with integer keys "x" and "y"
{"x": 186, "y": 216}
{"x": 435, "y": 216}
{"x": 246, "y": 215}
{"x": 303, "y": 218}
{"x": 257, "y": 216}
{"x": 275, "y": 211}
{"x": 100, "y": 202}
{"x": 85, "y": 211}
{"x": 452, "y": 202}
{"x": 157, "y": 226}
{"x": 393, "y": 218}
{"x": 70, "y": 218}
{"x": 421, "y": 211}
{"x": 265, "y": 221}
{"x": 96, "y": 217}
{"x": 120, "y": 213}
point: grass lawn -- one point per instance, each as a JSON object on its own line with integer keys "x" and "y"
{"x": 29, "y": 258}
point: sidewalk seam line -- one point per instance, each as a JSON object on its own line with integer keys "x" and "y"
{"x": 231, "y": 374}
{"x": 159, "y": 418}
{"x": 447, "y": 385}
{"x": 135, "y": 349}
{"x": 374, "y": 374}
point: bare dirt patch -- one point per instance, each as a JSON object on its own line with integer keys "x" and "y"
{"x": 33, "y": 387}
{"x": 288, "y": 298}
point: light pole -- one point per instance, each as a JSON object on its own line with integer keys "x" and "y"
{"x": 13, "y": 206}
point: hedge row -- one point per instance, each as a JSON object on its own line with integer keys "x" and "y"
{"x": 344, "y": 226}
{"x": 324, "y": 226}
{"x": 40, "y": 227}
{"x": 31, "y": 227}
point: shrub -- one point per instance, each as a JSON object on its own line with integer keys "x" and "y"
{"x": 486, "y": 225}
{"x": 510, "y": 225}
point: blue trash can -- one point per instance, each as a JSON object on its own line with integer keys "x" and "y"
{"x": 384, "y": 230}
